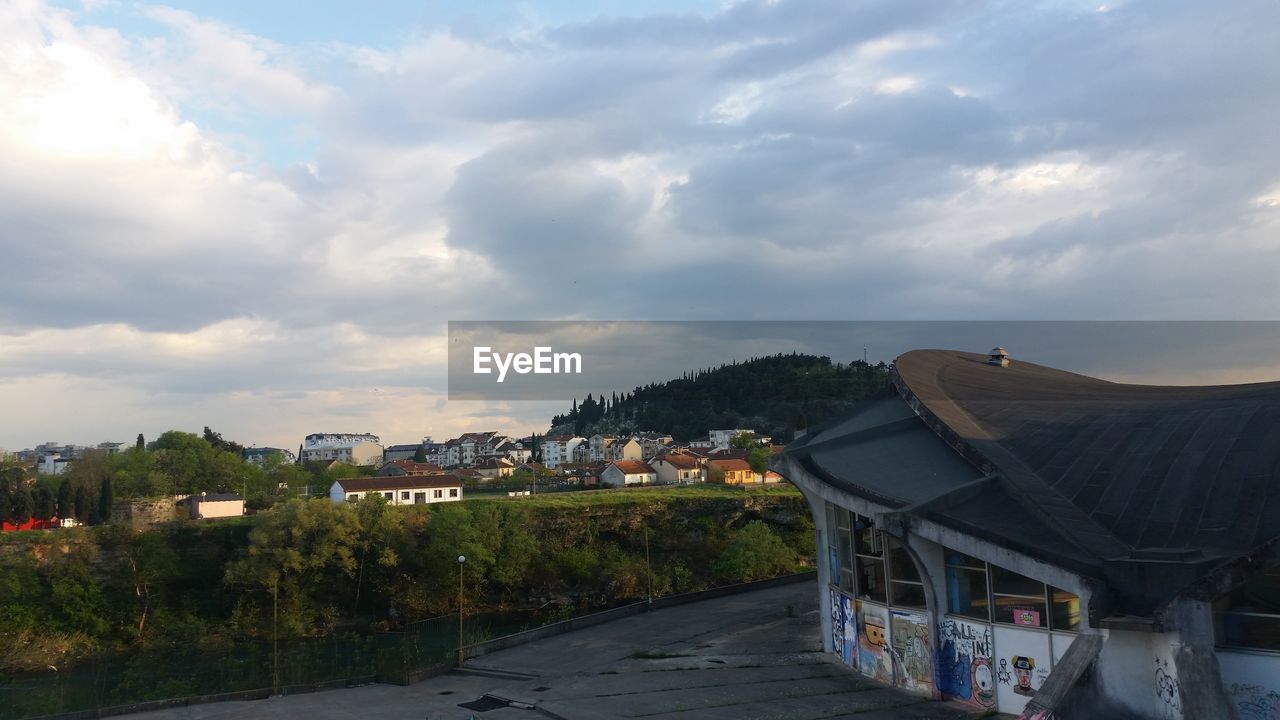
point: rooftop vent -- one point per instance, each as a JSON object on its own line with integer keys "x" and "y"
{"x": 998, "y": 357}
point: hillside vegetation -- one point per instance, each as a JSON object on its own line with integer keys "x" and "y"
{"x": 357, "y": 567}
{"x": 778, "y": 394}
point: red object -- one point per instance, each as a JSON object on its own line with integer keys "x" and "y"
{"x": 30, "y": 524}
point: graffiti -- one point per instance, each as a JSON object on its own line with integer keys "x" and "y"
{"x": 1003, "y": 675}
{"x": 849, "y": 653}
{"x": 910, "y": 645}
{"x": 837, "y": 623}
{"x": 1255, "y": 702}
{"x": 1023, "y": 667}
{"x": 1168, "y": 692}
{"x": 873, "y": 653}
{"x": 964, "y": 662}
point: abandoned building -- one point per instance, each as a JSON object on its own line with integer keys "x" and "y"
{"x": 1048, "y": 544}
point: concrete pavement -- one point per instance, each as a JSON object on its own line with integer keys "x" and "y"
{"x": 750, "y": 656}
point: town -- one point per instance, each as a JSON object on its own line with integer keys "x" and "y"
{"x": 37, "y": 492}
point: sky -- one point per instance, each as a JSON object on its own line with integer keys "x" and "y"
{"x": 260, "y": 216}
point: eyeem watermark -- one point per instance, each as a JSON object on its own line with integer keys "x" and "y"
{"x": 543, "y": 361}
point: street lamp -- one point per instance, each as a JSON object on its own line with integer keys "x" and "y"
{"x": 461, "y": 560}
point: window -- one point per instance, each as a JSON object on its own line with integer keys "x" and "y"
{"x": 388, "y": 495}
{"x": 353, "y": 496}
{"x": 905, "y": 587}
{"x": 404, "y": 495}
{"x": 438, "y": 494}
{"x": 868, "y": 550}
{"x": 1249, "y": 616}
{"x": 419, "y": 498}
{"x": 453, "y": 492}
{"x": 838, "y": 521}
{"x": 1064, "y": 609}
{"x": 967, "y": 586}
{"x": 1018, "y": 599}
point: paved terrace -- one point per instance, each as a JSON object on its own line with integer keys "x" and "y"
{"x": 740, "y": 657}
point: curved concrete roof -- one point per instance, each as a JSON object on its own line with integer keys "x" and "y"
{"x": 1151, "y": 488}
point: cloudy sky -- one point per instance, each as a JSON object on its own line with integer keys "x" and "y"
{"x": 261, "y": 219}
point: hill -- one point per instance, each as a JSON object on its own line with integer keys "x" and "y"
{"x": 777, "y": 394}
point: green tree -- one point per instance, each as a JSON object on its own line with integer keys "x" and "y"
{"x": 44, "y": 505}
{"x": 742, "y": 441}
{"x": 420, "y": 455}
{"x": 24, "y": 506}
{"x": 758, "y": 459}
{"x": 66, "y": 499}
{"x": 755, "y": 553}
{"x": 105, "y": 500}
{"x": 85, "y": 509}
{"x": 141, "y": 443}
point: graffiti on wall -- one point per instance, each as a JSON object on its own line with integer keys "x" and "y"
{"x": 873, "y": 642}
{"x": 1254, "y": 702}
{"x": 909, "y": 641}
{"x": 964, "y": 662}
{"x": 1022, "y": 666}
{"x": 849, "y": 652}
{"x": 1168, "y": 692}
{"x": 837, "y": 623}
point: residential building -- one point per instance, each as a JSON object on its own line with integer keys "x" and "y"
{"x": 652, "y": 443}
{"x": 736, "y": 472}
{"x": 111, "y": 448}
{"x": 404, "y": 490}
{"x": 598, "y": 447}
{"x": 403, "y": 452}
{"x": 723, "y": 439}
{"x": 398, "y": 468}
{"x": 350, "y": 448}
{"x": 259, "y": 455}
{"x": 53, "y": 464}
{"x": 628, "y": 449}
{"x": 628, "y": 472}
{"x": 467, "y": 449}
{"x": 678, "y": 469}
{"x": 559, "y": 449}
{"x": 492, "y": 468}
{"x": 1047, "y": 544}
{"x": 206, "y": 506}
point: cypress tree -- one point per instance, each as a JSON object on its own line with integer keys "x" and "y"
{"x": 105, "y": 499}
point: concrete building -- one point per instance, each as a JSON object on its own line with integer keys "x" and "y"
{"x": 559, "y": 449}
{"x": 259, "y": 455}
{"x": 402, "y": 490}
{"x": 624, "y": 473}
{"x": 1043, "y": 543}
{"x": 350, "y": 448}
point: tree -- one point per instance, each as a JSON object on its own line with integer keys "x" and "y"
{"x": 420, "y": 455}
{"x": 45, "y": 509}
{"x": 141, "y": 444}
{"x": 105, "y": 500}
{"x": 755, "y": 553}
{"x": 24, "y": 506}
{"x": 66, "y": 499}
{"x": 758, "y": 459}
{"x": 742, "y": 441}
{"x": 6, "y": 500}
{"x": 85, "y": 509}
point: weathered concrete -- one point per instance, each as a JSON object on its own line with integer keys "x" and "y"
{"x": 752, "y": 655}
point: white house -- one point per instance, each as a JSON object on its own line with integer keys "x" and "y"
{"x": 53, "y": 464}
{"x": 628, "y": 472}
{"x": 351, "y": 448}
{"x": 678, "y": 469}
{"x": 722, "y": 439}
{"x": 401, "y": 490}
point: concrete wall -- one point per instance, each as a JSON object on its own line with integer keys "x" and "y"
{"x": 1252, "y": 680}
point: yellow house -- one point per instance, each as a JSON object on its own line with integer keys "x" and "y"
{"x": 736, "y": 472}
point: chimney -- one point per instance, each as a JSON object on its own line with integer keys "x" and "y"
{"x": 998, "y": 357}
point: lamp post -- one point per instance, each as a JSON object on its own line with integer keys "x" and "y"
{"x": 461, "y": 560}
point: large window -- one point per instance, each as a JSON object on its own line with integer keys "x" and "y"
{"x": 982, "y": 591}
{"x": 1249, "y": 616}
{"x": 872, "y": 565}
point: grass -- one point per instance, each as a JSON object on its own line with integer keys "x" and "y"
{"x": 641, "y": 495}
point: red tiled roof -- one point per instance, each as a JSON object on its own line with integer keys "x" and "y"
{"x": 633, "y": 467}
{"x": 731, "y": 464}
{"x": 684, "y": 462}
{"x": 406, "y": 482}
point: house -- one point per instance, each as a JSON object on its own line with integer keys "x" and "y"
{"x": 408, "y": 467}
{"x": 736, "y": 471}
{"x": 628, "y": 472}
{"x": 492, "y": 468}
{"x": 628, "y": 449}
{"x": 404, "y": 490}
{"x": 678, "y": 468}
{"x": 467, "y": 449}
{"x": 652, "y": 443}
{"x": 259, "y": 455}
{"x": 206, "y": 506}
{"x": 558, "y": 449}
{"x": 723, "y": 439}
{"x": 1045, "y": 544}
{"x": 598, "y": 447}
{"x": 350, "y": 448}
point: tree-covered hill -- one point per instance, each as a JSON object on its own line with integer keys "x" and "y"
{"x": 777, "y": 394}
